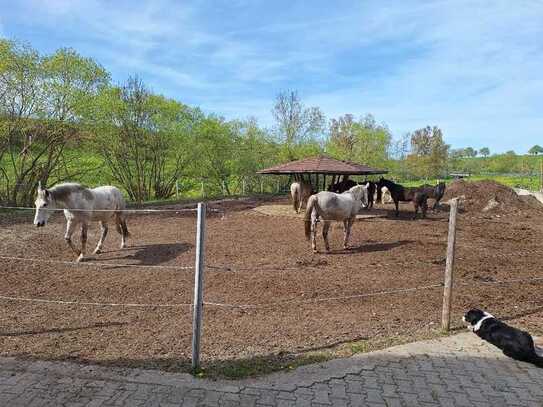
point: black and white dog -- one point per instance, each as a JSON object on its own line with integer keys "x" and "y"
{"x": 513, "y": 342}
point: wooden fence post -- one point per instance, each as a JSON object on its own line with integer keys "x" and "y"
{"x": 449, "y": 267}
{"x": 261, "y": 186}
{"x": 278, "y": 186}
{"x": 198, "y": 286}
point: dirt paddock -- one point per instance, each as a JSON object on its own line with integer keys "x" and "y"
{"x": 257, "y": 259}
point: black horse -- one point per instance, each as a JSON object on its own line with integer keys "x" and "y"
{"x": 340, "y": 187}
{"x": 398, "y": 192}
{"x": 345, "y": 185}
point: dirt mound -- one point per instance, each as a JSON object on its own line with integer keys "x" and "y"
{"x": 489, "y": 196}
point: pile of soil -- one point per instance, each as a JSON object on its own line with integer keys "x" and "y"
{"x": 489, "y": 196}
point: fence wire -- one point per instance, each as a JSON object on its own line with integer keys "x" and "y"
{"x": 126, "y": 211}
{"x": 265, "y": 305}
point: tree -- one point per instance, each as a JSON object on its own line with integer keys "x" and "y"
{"x": 485, "y": 151}
{"x": 40, "y": 101}
{"x": 535, "y": 150}
{"x": 143, "y": 139}
{"x": 294, "y": 122}
{"x": 342, "y": 135}
{"x": 216, "y": 144}
{"x": 470, "y": 152}
{"x": 361, "y": 141}
{"x": 429, "y": 152}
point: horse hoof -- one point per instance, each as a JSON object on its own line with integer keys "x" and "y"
{"x": 97, "y": 251}
{"x": 80, "y": 258}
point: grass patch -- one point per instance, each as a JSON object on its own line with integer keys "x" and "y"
{"x": 263, "y": 365}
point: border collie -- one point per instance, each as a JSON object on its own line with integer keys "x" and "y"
{"x": 513, "y": 342}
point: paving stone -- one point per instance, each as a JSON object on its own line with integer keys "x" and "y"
{"x": 432, "y": 373}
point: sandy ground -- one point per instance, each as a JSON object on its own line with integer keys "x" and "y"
{"x": 257, "y": 259}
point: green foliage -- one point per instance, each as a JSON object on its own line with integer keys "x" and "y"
{"x": 485, "y": 151}
{"x": 40, "y": 101}
{"x": 60, "y": 119}
{"x": 362, "y": 141}
{"x": 429, "y": 153}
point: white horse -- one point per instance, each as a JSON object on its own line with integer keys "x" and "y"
{"x": 385, "y": 196}
{"x": 330, "y": 206}
{"x": 300, "y": 193}
{"x": 82, "y": 205}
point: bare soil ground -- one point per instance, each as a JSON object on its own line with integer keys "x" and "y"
{"x": 258, "y": 259}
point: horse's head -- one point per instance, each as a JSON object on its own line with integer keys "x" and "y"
{"x": 44, "y": 202}
{"x": 360, "y": 193}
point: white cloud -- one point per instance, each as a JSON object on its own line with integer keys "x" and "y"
{"x": 474, "y": 68}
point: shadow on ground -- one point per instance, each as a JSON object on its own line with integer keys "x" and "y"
{"x": 63, "y": 330}
{"x": 148, "y": 255}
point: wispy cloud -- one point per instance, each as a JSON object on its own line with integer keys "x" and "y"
{"x": 473, "y": 68}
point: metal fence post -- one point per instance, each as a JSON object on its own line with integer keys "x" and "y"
{"x": 449, "y": 267}
{"x": 176, "y": 189}
{"x": 198, "y": 286}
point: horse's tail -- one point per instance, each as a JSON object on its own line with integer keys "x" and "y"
{"x": 120, "y": 223}
{"x": 295, "y": 192}
{"x": 311, "y": 204}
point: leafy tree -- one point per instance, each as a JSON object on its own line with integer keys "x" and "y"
{"x": 485, "y": 151}
{"x": 470, "y": 152}
{"x": 362, "y": 141}
{"x": 535, "y": 150}
{"x": 343, "y": 135}
{"x": 40, "y": 101}
{"x": 429, "y": 153}
{"x": 216, "y": 143}
{"x": 142, "y": 138}
{"x": 296, "y": 124}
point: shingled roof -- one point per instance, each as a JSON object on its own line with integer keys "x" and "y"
{"x": 322, "y": 165}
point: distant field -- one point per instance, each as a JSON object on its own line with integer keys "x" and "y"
{"x": 89, "y": 169}
{"x": 526, "y": 182}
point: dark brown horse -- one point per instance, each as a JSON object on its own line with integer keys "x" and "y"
{"x": 435, "y": 192}
{"x": 398, "y": 192}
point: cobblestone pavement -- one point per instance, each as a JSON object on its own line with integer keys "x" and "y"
{"x": 459, "y": 370}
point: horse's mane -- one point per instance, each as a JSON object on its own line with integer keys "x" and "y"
{"x": 61, "y": 191}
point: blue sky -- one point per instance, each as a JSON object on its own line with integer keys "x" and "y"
{"x": 473, "y": 68}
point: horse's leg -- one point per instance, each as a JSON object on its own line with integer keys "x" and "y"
{"x": 98, "y": 249}
{"x": 424, "y": 208}
{"x": 70, "y": 229}
{"x": 314, "y": 234}
{"x": 84, "y": 228}
{"x": 396, "y": 203}
{"x": 346, "y": 230}
{"x": 345, "y": 233}
{"x": 416, "y": 205}
{"x": 325, "y": 230}
{"x": 120, "y": 223}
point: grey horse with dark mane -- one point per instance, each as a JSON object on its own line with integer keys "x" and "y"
{"x": 82, "y": 205}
